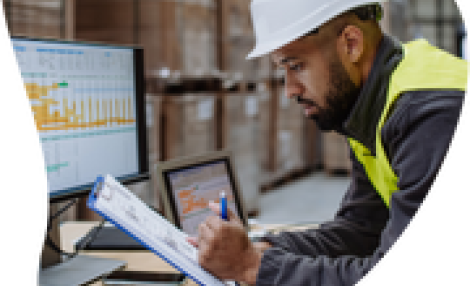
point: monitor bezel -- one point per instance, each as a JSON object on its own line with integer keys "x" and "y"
{"x": 164, "y": 168}
{"x": 143, "y": 161}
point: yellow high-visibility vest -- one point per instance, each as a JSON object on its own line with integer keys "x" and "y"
{"x": 423, "y": 67}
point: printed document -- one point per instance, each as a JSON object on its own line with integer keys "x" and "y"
{"x": 120, "y": 206}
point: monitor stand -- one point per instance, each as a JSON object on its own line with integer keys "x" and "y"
{"x": 79, "y": 270}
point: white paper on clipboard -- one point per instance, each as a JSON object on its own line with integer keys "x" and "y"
{"x": 121, "y": 207}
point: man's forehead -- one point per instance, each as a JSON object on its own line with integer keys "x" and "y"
{"x": 285, "y": 53}
{"x": 291, "y": 51}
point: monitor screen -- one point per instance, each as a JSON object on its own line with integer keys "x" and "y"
{"x": 192, "y": 187}
{"x": 87, "y": 101}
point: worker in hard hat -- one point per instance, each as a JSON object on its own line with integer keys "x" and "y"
{"x": 397, "y": 105}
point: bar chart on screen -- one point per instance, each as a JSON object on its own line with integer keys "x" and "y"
{"x": 83, "y": 101}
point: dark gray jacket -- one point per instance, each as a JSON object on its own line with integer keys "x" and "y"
{"x": 416, "y": 138}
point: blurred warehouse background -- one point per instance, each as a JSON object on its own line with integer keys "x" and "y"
{"x": 202, "y": 95}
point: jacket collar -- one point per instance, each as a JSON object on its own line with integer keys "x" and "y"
{"x": 362, "y": 122}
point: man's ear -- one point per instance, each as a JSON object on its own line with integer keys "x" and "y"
{"x": 351, "y": 44}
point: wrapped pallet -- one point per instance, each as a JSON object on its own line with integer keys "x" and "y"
{"x": 35, "y": 18}
{"x": 153, "y": 113}
{"x": 196, "y": 21}
{"x": 289, "y": 143}
{"x": 265, "y": 140}
{"x": 148, "y": 23}
{"x": 108, "y": 21}
{"x": 158, "y": 37}
{"x": 290, "y": 136}
{"x": 189, "y": 125}
{"x": 242, "y": 113}
{"x": 241, "y": 40}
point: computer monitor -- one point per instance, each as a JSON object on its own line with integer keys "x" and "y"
{"x": 188, "y": 184}
{"x": 88, "y": 104}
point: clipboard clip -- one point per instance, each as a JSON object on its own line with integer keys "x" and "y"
{"x": 97, "y": 187}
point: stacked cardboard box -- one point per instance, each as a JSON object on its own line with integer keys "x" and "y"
{"x": 196, "y": 24}
{"x": 150, "y": 34}
{"x": 291, "y": 130}
{"x": 108, "y": 21}
{"x": 312, "y": 141}
{"x": 240, "y": 41}
{"x": 150, "y": 24}
{"x": 242, "y": 113}
{"x": 266, "y": 142}
{"x": 153, "y": 113}
{"x": 289, "y": 142}
{"x": 189, "y": 125}
{"x": 34, "y": 18}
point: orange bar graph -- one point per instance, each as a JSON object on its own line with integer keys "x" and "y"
{"x": 90, "y": 114}
{"x": 110, "y": 108}
{"x": 116, "y": 108}
{"x": 74, "y": 112}
{"x": 105, "y": 113}
{"x": 129, "y": 105}
{"x": 65, "y": 108}
{"x": 48, "y": 118}
{"x": 82, "y": 115}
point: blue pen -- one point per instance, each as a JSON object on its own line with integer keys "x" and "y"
{"x": 223, "y": 206}
{"x": 223, "y": 213}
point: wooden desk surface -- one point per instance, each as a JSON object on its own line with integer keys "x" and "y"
{"x": 138, "y": 261}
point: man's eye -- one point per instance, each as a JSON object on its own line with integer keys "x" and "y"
{"x": 295, "y": 67}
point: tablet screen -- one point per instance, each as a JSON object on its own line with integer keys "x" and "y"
{"x": 191, "y": 188}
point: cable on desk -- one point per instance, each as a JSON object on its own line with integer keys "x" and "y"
{"x": 88, "y": 238}
{"x": 57, "y": 249}
{"x": 49, "y": 242}
{"x": 91, "y": 235}
{"x": 61, "y": 211}
{"x": 58, "y": 213}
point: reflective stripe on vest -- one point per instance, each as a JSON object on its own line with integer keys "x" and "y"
{"x": 423, "y": 67}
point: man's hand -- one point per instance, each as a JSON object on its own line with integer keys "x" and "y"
{"x": 226, "y": 251}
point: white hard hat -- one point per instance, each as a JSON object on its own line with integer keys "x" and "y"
{"x": 279, "y": 22}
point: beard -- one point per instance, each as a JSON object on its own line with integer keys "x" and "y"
{"x": 339, "y": 99}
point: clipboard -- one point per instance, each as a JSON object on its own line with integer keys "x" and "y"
{"x": 118, "y": 205}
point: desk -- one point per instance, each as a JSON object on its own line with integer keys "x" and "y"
{"x": 138, "y": 262}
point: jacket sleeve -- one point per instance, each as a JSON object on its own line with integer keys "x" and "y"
{"x": 416, "y": 139}
{"x": 355, "y": 229}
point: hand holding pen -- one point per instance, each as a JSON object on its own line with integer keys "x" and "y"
{"x": 224, "y": 247}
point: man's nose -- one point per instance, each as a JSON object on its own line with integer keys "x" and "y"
{"x": 293, "y": 92}
{"x": 292, "y": 87}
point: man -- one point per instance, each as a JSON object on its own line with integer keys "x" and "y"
{"x": 398, "y": 106}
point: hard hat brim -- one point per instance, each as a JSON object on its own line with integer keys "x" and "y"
{"x": 272, "y": 33}
{"x": 258, "y": 52}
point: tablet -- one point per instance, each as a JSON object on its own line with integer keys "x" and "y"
{"x": 188, "y": 184}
